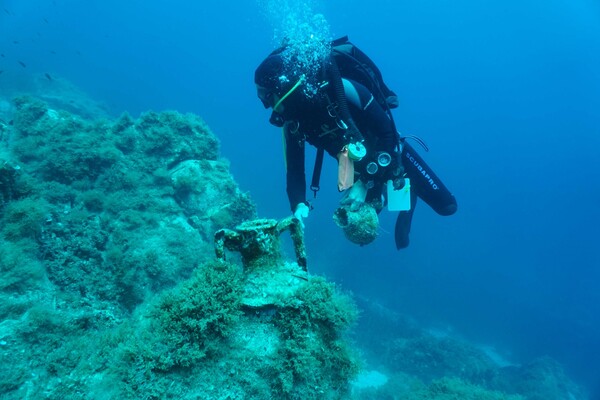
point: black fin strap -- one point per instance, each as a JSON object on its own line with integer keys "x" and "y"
{"x": 316, "y": 177}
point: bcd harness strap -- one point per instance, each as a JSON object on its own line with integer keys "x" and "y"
{"x": 339, "y": 111}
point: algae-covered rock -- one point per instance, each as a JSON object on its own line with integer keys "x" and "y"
{"x": 430, "y": 357}
{"x": 172, "y": 137}
{"x": 110, "y": 286}
{"x": 9, "y": 185}
{"x": 454, "y": 388}
{"x": 430, "y": 364}
{"x": 542, "y": 378}
{"x": 208, "y": 194}
{"x": 407, "y": 387}
{"x": 91, "y": 228}
{"x": 109, "y": 224}
{"x": 200, "y": 340}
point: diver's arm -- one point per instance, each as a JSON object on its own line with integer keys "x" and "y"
{"x": 294, "y": 165}
{"x": 368, "y": 111}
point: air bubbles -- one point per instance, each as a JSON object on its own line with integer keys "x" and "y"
{"x": 307, "y": 38}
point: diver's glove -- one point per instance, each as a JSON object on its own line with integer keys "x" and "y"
{"x": 301, "y": 212}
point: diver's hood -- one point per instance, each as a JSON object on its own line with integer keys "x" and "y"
{"x": 279, "y": 82}
{"x": 275, "y": 77}
{"x": 267, "y": 78}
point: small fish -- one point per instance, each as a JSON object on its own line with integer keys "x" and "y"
{"x": 45, "y": 20}
{"x": 15, "y": 42}
{"x": 22, "y": 64}
{"x": 1, "y": 71}
{"x": 2, "y": 55}
{"x": 47, "y": 75}
{"x": 6, "y": 11}
{"x": 52, "y": 52}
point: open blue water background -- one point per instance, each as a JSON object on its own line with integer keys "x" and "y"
{"x": 506, "y": 94}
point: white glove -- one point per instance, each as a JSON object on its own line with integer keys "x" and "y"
{"x": 301, "y": 212}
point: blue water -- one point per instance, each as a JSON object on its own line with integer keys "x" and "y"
{"x": 506, "y": 94}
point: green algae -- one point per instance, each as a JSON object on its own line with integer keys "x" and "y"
{"x": 110, "y": 289}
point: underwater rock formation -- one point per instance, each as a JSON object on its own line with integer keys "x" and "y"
{"x": 436, "y": 365}
{"x": 99, "y": 201}
{"x": 109, "y": 284}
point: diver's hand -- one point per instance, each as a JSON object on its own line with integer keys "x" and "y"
{"x": 301, "y": 212}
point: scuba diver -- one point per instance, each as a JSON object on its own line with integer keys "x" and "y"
{"x": 343, "y": 107}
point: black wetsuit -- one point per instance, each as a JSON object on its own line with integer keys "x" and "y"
{"x": 309, "y": 121}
